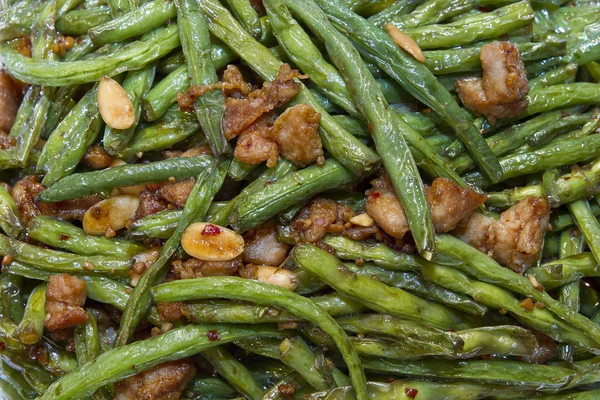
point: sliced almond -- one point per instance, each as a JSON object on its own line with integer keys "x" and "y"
{"x": 363, "y": 219}
{"x": 114, "y": 104}
{"x": 405, "y": 42}
{"x": 276, "y": 276}
{"x": 134, "y": 190}
{"x": 110, "y": 215}
{"x": 209, "y": 242}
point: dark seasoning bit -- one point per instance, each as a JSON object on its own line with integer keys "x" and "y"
{"x": 213, "y": 335}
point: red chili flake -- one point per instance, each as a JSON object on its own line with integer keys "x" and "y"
{"x": 213, "y": 335}
{"x": 483, "y": 9}
{"x": 62, "y": 236}
{"x": 375, "y": 195}
{"x": 2, "y": 346}
{"x": 211, "y": 229}
{"x": 411, "y": 393}
{"x": 272, "y": 181}
{"x": 391, "y": 380}
{"x": 370, "y": 127}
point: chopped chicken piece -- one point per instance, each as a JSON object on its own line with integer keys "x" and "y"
{"x": 515, "y": 239}
{"x": 96, "y": 157}
{"x": 65, "y": 297}
{"x": 177, "y": 193}
{"x": 263, "y": 246}
{"x": 321, "y": 216}
{"x": 241, "y": 113}
{"x": 449, "y": 204}
{"x": 502, "y": 92}
{"x": 254, "y": 145}
{"x": 296, "y": 133}
{"x": 150, "y": 203}
{"x": 9, "y": 101}
{"x": 165, "y": 381}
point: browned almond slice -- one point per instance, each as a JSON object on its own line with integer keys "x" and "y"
{"x": 114, "y": 104}
{"x": 406, "y": 42}
{"x": 209, "y": 242}
{"x": 110, "y": 215}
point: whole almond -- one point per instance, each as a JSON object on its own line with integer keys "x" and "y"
{"x": 114, "y": 104}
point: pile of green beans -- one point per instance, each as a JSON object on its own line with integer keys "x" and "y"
{"x": 364, "y": 315}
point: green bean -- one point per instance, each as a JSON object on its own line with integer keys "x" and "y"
{"x": 266, "y": 347}
{"x": 259, "y": 292}
{"x": 565, "y": 270}
{"x": 472, "y": 29}
{"x": 291, "y": 189}
{"x": 486, "y": 269}
{"x": 296, "y": 354}
{"x": 388, "y": 133}
{"x": 162, "y": 224}
{"x": 99, "y": 288}
{"x": 83, "y": 184}
{"x": 554, "y": 155}
{"x": 414, "y": 283}
{"x": 585, "y": 48}
{"x": 585, "y": 395}
{"x": 565, "y": 95}
{"x": 206, "y": 385}
{"x": 495, "y": 297}
{"x": 375, "y": 295}
{"x": 197, "y": 204}
{"x": 582, "y": 182}
{"x": 228, "y": 312}
{"x": 415, "y": 78}
{"x": 195, "y": 41}
{"x": 560, "y": 220}
{"x": 63, "y": 235}
{"x": 594, "y": 70}
{"x": 58, "y": 261}
{"x": 271, "y": 175}
{"x": 17, "y": 20}
{"x": 405, "y": 390}
{"x": 16, "y": 383}
{"x": 466, "y": 59}
{"x": 421, "y": 340}
{"x": 588, "y": 225}
{"x": 79, "y": 22}
{"x": 31, "y": 327}
{"x": 340, "y": 144}
{"x": 10, "y": 218}
{"x": 11, "y": 299}
{"x": 68, "y": 143}
{"x": 124, "y": 361}
{"x": 160, "y": 136}
{"x": 233, "y": 371}
{"x": 37, "y": 377}
{"x": 560, "y": 75}
{"x": 248, "y": 17}
{"x": 136, "y": 84}
{"x": 301, "y": 387}
{"x": 571, "y": 244}
{"x": 398, "y": 9}
{"x": 521, "y": 374}
{"x": 54, "y": 73}
{"x": 87, "y": 340}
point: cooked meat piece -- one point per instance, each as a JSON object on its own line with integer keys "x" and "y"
{"x": 449, "y": 203}
{"x": 97, "y": 158}
{"x": 263, "y": 246}
{"x": 9, "y": 101}
{"x": 515, "y": 239}
{"x": 177, "y": 193}
{"x": 502, "y": 91}
{"x": 241, "y": 113}
{"x": 24, "y": 193}
{"x": 65, "y": 297}
{"x": 472, "y": 95}
{"x": 321, "y": 216}
{"x": 254, "y": 146}
{"x": 233, "y": 84}
{"x": 170, "y": 311}
{"x": 504, "y": 76}
{"x": 165, "y": 381}
{"x": 258, "y": 6}
{"x": 150, "y": 203}
{"x": 194, "y": 268}
{"x": 385, "y": 208}
{"x": 361, "y": 232}
{"x": 546, "y": 350}
{"x": 193, "y": 152}
{"x": 296, "y": 133}
{"x": 74, "y": 209}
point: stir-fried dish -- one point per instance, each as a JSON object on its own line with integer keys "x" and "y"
{"x": 299, "y": 199}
